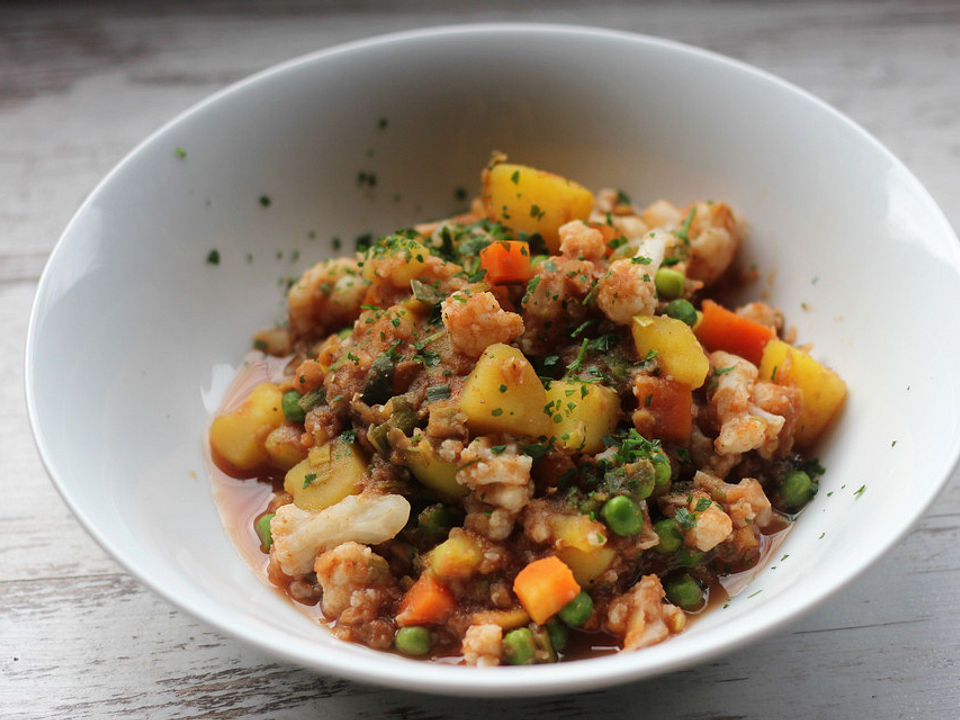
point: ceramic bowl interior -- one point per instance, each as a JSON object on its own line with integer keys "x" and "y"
{"x": 135, "y": 336}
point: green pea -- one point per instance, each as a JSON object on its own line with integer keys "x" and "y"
{"x": 662, "y": 470}
{"x": 682, "y": 310}
{"x": 669, "y": 283}
{"x": 622, "y": 515}
{"x": 559, "y": 635}
{"x": 796, "y": 489}
{"x": 576, "y": 612}
{"x": 684, "y": 592}
{"x": 290, "y": 404}
{"x": 670, "y": 534}
{"x": 262, "y": 527}
{"x": 689, "y": 557}
{"x": 518, "y": 647}
{"x": 413, "y": 640}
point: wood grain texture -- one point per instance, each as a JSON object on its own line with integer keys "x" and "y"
{"x": 81, "y": 84}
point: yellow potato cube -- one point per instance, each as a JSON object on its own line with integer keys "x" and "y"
{"x": 582, "y": 413}
{"x": 578, "y": 531}
{"x": 436, "y": 474}
{"x": 822, "y": 389}
{"x": 677, "y": 349}
{"x": 587, "y": 566}
{"x": 330, "y": 473}
{"x": 504, "y": 394}
{"x": 456, "y": 557}
{"x": 239, "y": 437}
{"x": 284, "y": 447}
{"x": 534, "y": 201}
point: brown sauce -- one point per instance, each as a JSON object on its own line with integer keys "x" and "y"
{"x": 241, "y": 502}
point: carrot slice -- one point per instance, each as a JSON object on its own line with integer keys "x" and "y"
{"x": 664, "y": 410}
{"x": 544, "y": 587}
{"x": 506, "y": 261}
{"x": 721, "y": 329}
{"x": 427, "y": 602}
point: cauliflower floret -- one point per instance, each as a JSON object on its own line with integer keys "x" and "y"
{"x": 300, "y": 535}
{"x": 500, "y": 479}
{"x": 745, "y": 424}
{"x": 714, "y": 239}
{"x": 745, "y": 502}
{"x": 483, "y": 645}
{"x": 352, "y": 575}
{"x": 579, "y": 241}
{"x": 627, "y": 290}
{"x": 711, "y": 524}
{"x": 475, "y": 321}
{"x": 762, "y": 313}
{"x": 327, "y": 296}
{"x": 641, "y": 617}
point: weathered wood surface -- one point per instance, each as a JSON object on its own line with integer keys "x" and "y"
{"x": 81, "y": 84}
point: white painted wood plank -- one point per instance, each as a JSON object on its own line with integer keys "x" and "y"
{"x": 82, "y": 85}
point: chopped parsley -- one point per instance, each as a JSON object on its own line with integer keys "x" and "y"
{"x": 213, "y": 257}
{"x": 308, "y": 479}
{"x": 348, "y": 437}
{"x": 265, "y": 201}
{"x": 180, "y": 152}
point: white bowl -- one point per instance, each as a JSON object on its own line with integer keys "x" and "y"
{"x": 134, "y": 336}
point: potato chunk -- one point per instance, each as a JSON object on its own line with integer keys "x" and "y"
{"x": 239, "y": 437}
{"x": 504, "y": 394}
{"x": 582, "y": 413}
{"x": 434, "y": 472}
{"x": 677, "y": 349}
{"x": 330, "y": 473}
{"x": 822, "y": 389}
{"x": 534, "y": 201}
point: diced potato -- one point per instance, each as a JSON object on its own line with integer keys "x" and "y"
{"x": 677, "y": 349}
{"x": 456, "y": 557}
{"x": 435, "y": 473}
{"x": 336, "y": 469}
{"x": 822, "y": 389}
{"x": 578, "y": 531}
{"x": 284, "y": 447}
{"x": 534, "y": 201}
{"x": 400, "y": 260}
{"x": 239, "y": 437}
{"x": 587, "y": 566}
{"x": 504, "y": 394}
{"x": 586, "y": 412}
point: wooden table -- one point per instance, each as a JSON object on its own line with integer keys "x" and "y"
{"x": 80, "y": 85}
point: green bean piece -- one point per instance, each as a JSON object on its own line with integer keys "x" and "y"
{"x": 290, "y": 404}
{"x": 670, "y": 534}
{"x": 436, "y": 520}
{"x": 559, "y": 635}
{"x": 262, "y": 527}
{"x": 379, "y": 385}
{"x": 669, "y": 283}
{"x": 662, "y": 470}
{"x": 576, "y": 612}
{"x": 796, "y": 489}
{"x": 544, "y": 650}
{"x": 413, "y": 640}
{"x": 682, "y": 310}
{"x": 684, "y": 592}
{"x": 622, "y": 515}
{"x": 518, "y": 647}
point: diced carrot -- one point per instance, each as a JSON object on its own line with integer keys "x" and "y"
{"x": 664, "y": 410}
{"x": 427, "y": 602}
{"x": 544, "y": 587}
{"x": 721, "y": 329}
{"x": 506, "y": 261}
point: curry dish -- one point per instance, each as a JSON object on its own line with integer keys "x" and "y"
{"x": 502, "y": 434}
